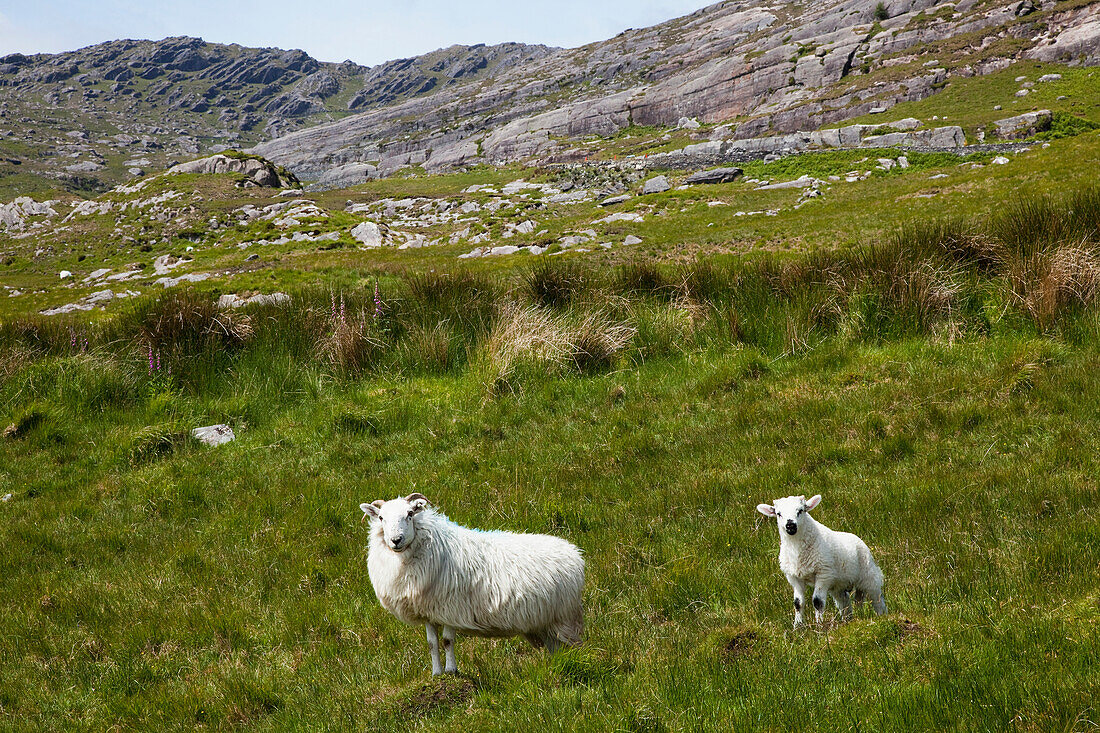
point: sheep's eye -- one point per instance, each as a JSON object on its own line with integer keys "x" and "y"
{"x": 801, "y": 510}
{"x": 410, "y": 512}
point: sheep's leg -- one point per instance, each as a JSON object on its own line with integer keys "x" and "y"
{"x": 843, "y": 604}
{"x": 551, "y": 641}
{"x": 433, "y": 646}
{"x": 449, "y": 649}
{"x": 879, "y": 602}
{"x": 821, "y": 594}
{"x": 799, "y": 589}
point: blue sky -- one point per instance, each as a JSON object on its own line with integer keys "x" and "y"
{"x": 365, "y": 32}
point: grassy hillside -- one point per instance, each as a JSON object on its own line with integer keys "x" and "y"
{"x": 918, "y": 344}
{"x": 939, "y": 389}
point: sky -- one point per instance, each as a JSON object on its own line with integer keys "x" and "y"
{"x": 368, "y": 33}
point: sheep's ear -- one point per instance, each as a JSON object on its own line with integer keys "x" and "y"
{"x": 417, "y": 501}
{"x": 371, "y": 510}
{"x": 813, "y": 501}
{"x": 766, "y": 509}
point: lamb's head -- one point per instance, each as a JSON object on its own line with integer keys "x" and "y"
{"x": 396, "y": 519}
{"x": 789, "y": 511}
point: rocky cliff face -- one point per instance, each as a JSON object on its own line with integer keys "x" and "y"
{"x": 751, "y": 67}
{"x": 92, "y": 117}
{"x": 761, "y": 67}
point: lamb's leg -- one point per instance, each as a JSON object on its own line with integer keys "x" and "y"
{"x": 449, "y": 649}
{"x": 821, "y": 594}
{"x": 843, "y": 604}
{"x": 433, "y": 646}
{"x": 799, "y": 589}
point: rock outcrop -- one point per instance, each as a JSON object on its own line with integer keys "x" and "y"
{"x": 255, "y": 170}
{"x": 777, "y": 68}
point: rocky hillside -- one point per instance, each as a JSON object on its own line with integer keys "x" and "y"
{"x": 91, "y": 118}
{"x": 752, "y": 67}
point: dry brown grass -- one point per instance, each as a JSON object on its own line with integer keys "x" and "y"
{"x": 1049, "y": 283}
{"x": 529, "y": 337}
{"x": 351, "y": 347}
{"x": 12, "y": 361}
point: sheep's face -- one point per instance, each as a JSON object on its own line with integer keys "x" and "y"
{"x": 789, "y": 511}
{"x": 395, "y": 519}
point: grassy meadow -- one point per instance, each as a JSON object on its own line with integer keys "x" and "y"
{"x": 940, "y": 388}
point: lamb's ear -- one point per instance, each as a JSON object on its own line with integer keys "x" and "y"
{"x": 371, "y": 510}
{"x": 418, "y": 501}
{"x": 813, "y": 501}
{"x": 766, "y": 509}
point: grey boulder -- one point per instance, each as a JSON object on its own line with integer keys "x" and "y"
{"x": 657, "y": 184}
{"x": 715, "y": 175}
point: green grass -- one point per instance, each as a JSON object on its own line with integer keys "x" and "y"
{"x": 227, "y": 588}
{"x": 970, "y": 102}
{"x": 941, "y": 390}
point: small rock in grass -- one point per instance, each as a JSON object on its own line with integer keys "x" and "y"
{"x": 213, "y": 435}
{"x": 657, "y": 184}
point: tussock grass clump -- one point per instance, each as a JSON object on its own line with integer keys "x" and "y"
{"x": 554, "y": 283}
{"x": 432, "y": 350}
{"x": 156, "y": 441}
{"x": 596, "y": 341}
{"x": 1031, "y": 224}
{"x": 642, "y": 278}
{"x": 184, "y": 322}
{"x": 904, "y": 295}
{"x": 44, "y": 334}
{"x": 1050, "y": 285}
{"x": 465, "y": 300}
{"x": 951, "y": 239}
{"x": 353, "y": 346}
{"x": 704, "y": 281}
{"x": 532, "y": 340}
{"x": 13, "y": 359}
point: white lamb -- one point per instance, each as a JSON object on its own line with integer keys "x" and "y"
{"x": 428, "y": 570}
{"x": 834, "y": 563}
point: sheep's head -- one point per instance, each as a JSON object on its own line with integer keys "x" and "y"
{"x": 789, "y": 511}
{"x": 395, "y": 519}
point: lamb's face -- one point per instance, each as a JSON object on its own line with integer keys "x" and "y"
{"x": 789, "y": 511}
{"x": 395, "y": 518}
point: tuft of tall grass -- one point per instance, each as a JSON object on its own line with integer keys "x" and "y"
{"x": 185, "y": 322}
{"x": 642, "y": 278}
{"x": 1050, "y": 285}
{"x": 353, "y": 345}
{"x": 555, "y": 282}
{"x": 432, "y": 350}
{"x": 13, "y": 359}
{"x": 529, "y": 340}
{"x": 467, "y": 301}
{"x": 951, "y": 239}
{"x": 156, "y": 441}
{"x": 597, "y": 340}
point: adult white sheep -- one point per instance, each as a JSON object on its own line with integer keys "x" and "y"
{"x": 426, "y": 569}
{"x": 834, "y": 563}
